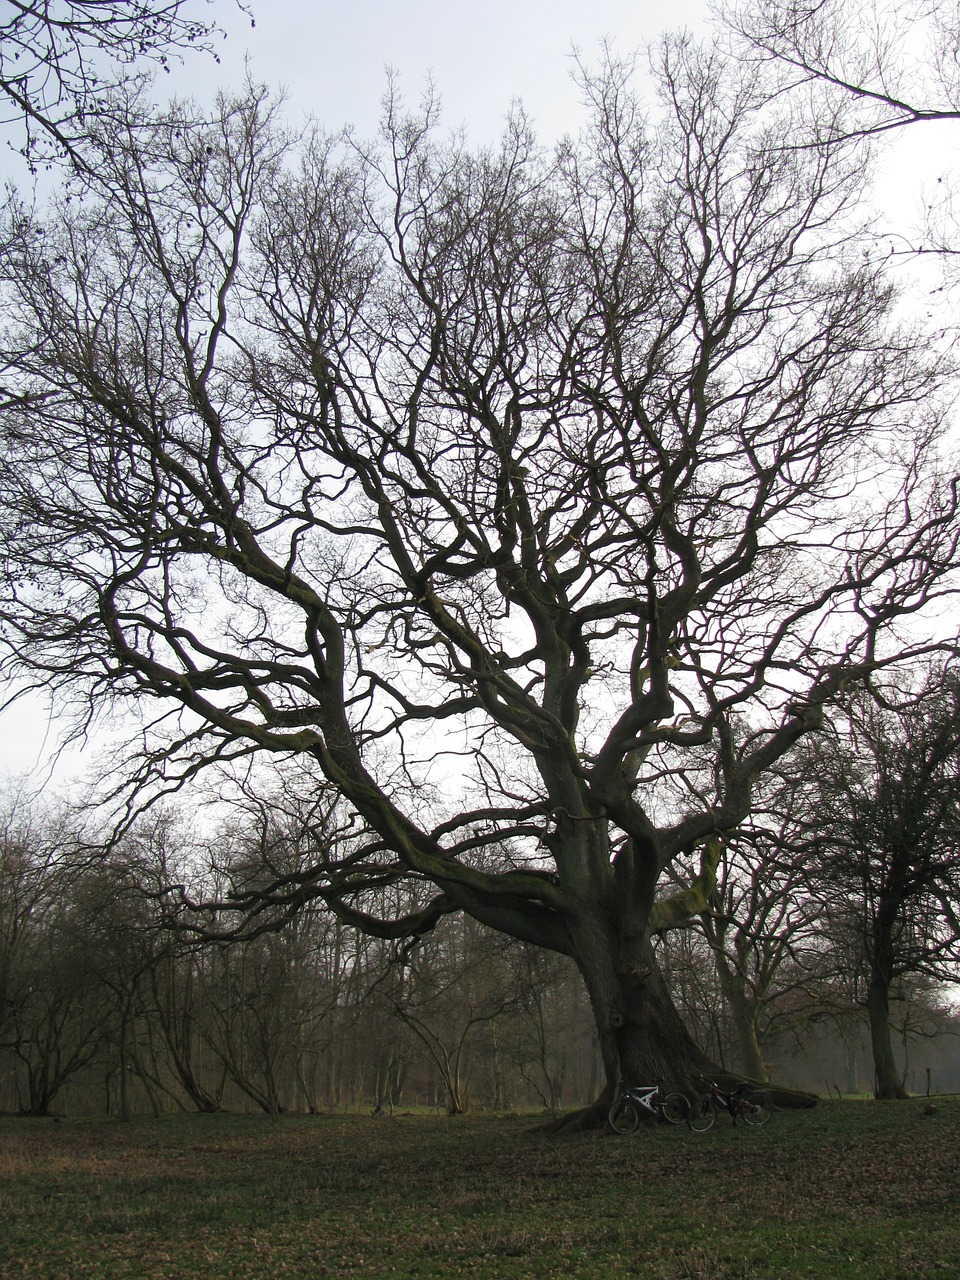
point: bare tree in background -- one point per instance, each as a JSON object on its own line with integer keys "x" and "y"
{"x": 487, "y": 485}
{"x": 762, "y": 927}
{"x": 888, "y": 821}
{"x": 868, "y": 71}
{"x": 29, "y": 846}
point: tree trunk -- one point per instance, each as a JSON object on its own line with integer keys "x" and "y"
{"x": 743, "y": 1008}
{"x": 653, "y": 1043}
{"x": 642, "y": 1038}
{"x": 887, "y": 1079}
{"x": 748, "y": 1044}
{"x": 850, "y": 1062}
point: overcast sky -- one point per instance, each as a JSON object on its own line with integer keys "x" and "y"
{"x": 332, "y": 57}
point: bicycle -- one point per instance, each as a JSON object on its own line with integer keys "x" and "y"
{"x": 634, "y": 1099}
{"x": 751, "y": 1107}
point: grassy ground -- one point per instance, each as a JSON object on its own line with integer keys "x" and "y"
{"x": 849, "y": 1189}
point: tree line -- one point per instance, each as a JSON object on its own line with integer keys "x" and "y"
{"x": 833, "y": 925}
{"x": 105, "y": 1007}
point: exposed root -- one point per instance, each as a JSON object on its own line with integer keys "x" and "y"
{"x": 786, "y": 1099}
{"x": 583, "y": 1120}
{"x": 795, "y": 1099}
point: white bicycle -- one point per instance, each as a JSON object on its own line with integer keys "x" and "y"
{"x": 633, "y": 1100}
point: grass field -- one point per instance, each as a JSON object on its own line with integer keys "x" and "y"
{"x": 849, "y": 1189}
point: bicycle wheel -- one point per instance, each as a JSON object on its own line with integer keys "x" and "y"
{"x": 624, "y": 1116}
{"x": 675, "y": 1108}
{"x": 756, "y": 1108}
{"x": 703, "y": 1114}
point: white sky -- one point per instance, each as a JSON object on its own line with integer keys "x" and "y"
{"x": 331, "y": 58}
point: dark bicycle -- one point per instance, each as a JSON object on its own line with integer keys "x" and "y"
{"x": 742, "y": 1103}
{"x": 635, "y": 1100}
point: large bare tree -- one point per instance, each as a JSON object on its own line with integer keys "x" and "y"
{"x": 488, "y": 484}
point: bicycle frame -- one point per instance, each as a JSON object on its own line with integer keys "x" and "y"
{"x": 647, "y": 1096}
{"x": 729, "y": 1101}
{"x": 631, "y": 1100}
{"x": 741, "y": 1103}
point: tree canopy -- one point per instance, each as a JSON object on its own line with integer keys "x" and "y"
{"x": 60, "y": 60}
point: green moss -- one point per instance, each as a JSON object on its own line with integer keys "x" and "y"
{"x": 671, "y": 911}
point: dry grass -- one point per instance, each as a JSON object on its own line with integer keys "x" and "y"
{"x": 850, "y": 1189}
